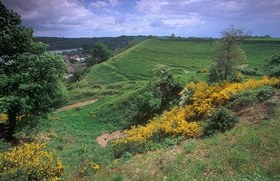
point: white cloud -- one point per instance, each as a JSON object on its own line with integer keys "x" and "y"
{"x": 102, "y": 17}
{"x": 151, "y": 6}
{"x": 103, "y": 3}
{"x": 179, "y": 23}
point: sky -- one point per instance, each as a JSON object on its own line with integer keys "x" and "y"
{"x": 111, "y": 18}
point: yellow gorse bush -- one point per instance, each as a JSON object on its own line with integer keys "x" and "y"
{"x": 180, "y": 121}
{"x": 208, "y": 97}
{"x": 29, "y": 161}
{"x": 169, "y": 123}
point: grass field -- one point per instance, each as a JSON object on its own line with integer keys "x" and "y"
{"x": 72, "y": 133}
{"x": 186, "y": 59}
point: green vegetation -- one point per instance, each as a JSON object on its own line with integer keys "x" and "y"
{"x": 272, "y": 67}
{"x": 30, "y": 79}
{"x": 187, "y": 59}
{"x": 143, "y": 82}
{"x": 115, "y": 83}
{"x": 116, "y": 43}
{"x": 228, "y": 56}
{"x": 99, "y": 53}
{"x": 247, "y": 152}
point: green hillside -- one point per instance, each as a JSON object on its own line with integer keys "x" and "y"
{"x": 182, "y": 56}
{"x": 138, "y": 62}
{"x": 246, "y": 150}
{"x": 186, "y": 58}
{"x": 114, "y": 82}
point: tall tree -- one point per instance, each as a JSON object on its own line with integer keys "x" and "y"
{"x": 99, "y": 53}
{"x": 228, "y": 55}
{"x": 30, "y": 78}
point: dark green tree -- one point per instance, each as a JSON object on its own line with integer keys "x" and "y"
{"x": 228, "y": 55}
{"x": 99, "y": 53}
{"x": 166, "y": 84}
{"x": 30, "y": 78}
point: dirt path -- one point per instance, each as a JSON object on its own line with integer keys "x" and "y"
{"x": 73, "y": 106}
{"x": 105, "y": 138}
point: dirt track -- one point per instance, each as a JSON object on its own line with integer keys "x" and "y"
{"x": 73, "y": 106}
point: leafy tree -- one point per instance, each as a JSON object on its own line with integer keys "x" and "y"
{"x": 166, "y": 84}
{"x": 30, "y": 78}
{"x": 79, "y": 74}
{"x": 228, "y": 55}
{"x": 99, "y": 53}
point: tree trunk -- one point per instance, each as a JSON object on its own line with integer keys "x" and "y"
{"x": 12, "y": 119}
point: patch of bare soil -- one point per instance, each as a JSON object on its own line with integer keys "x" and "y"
{"x": 77, "y": 105}
{"x": 258, "y": 112}
{"x": 105, "y": 138}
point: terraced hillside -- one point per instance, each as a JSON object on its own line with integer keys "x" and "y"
{"x": 187, "y": 59}
{"x": 72, "y": 134}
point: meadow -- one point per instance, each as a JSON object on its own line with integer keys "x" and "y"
{"x": 186, "y": 59}
{"x": 71, "y": 135}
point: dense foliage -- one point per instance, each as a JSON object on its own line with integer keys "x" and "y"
{"x": 29, "y": 161}
{"x": 99, "y": 53}
{"x": 272, "y": 66}
{"x": 30, "y": 78}
{"x": 114, "y": 43}
{"x": 222, "y": 120}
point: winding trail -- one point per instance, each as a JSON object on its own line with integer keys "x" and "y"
{"x": 77, "y": 105}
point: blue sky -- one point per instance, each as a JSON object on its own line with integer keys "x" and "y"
{"x": 95, "y": 18}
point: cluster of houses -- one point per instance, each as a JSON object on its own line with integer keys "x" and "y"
{"x": 74, "y": 62}
{"x": 74, "y": 59}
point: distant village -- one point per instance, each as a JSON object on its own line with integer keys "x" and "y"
{"x": 74, "y": 59}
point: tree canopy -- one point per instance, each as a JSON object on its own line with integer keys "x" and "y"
{"x": 228, "y": 55}
{"x": 99, "y": 53}
{"x": 30, "y": 78}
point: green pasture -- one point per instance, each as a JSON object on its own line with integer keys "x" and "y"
{"x": 72, "y": 133}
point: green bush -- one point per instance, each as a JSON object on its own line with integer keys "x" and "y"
{"x": 244, "y": 99}
{"x": 220, "y": 121}
{"x": 265, "y": 92}
{"x": 272, "y": 67}
{"x": 79, "y": 74}
{"x": 250, "y": 97}
{"x": 132, "y": 109}
{"x": 254, "y": 72}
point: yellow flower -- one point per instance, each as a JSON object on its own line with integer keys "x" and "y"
{"x": 32, "y": 160}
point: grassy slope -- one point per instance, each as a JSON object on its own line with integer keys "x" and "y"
{"x": 250, "y": 151}
{"x": 138, "y": 62}
{"x": 184, "y": 57}
{"x": 73, "y": 132}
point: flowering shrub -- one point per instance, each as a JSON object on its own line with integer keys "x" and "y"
{"x": 29, "y": 161}
{"x": 206, "y": 98}
{"x": 201, "y": 101}
{"x": 169, "y": 123}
